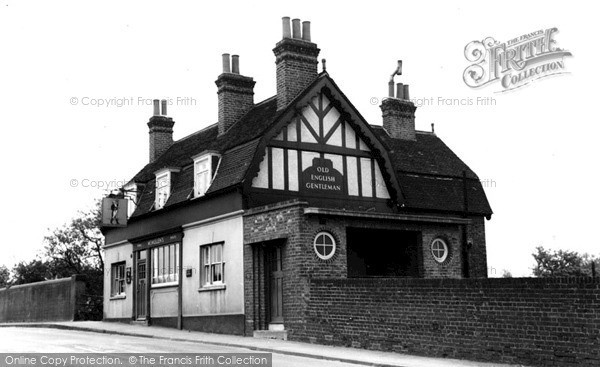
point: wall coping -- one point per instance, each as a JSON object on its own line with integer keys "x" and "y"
{"x": 440, "y": 282}
{"x": 45, "y": 282}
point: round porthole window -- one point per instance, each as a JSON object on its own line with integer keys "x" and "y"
{"x": 324, "y": 245}
{"x": 439, "y": 250}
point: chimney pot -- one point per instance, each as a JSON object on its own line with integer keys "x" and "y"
{"x": 306, "y": 31}
{"x": 156, "y": 107}
{"x": 164, "y": 107}
{"x": 296, "y": 28}
{"x": 296, "y": 61}
{"x": 226, "y": 65}
{"x": 400, "y": 91}
{"x": 406, "y": 95}
{"x": 287, "y": 32}
{"x": 235, "y": 64}
{"x": 391, "y": 89}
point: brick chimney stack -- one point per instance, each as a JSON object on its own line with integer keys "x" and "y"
{"x": 398, "y": 111}
{"x": 161, "y": 130}
{"x": 235, "y": 93}
{"x": 296, "y": 60}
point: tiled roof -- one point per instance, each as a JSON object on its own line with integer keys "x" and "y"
{"x": 428, "y": 172}
{"x": 431, "y": 175}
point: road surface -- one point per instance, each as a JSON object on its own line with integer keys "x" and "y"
{"x": 40, "y": 340}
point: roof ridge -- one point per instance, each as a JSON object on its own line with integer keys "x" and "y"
{"x": 196, "y": 132}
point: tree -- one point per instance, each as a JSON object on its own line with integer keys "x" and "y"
{"x": 562, "y": 263}
{"x": 75, "y": 248}
{"x": 4, "y": 276}
{"x": 30, "y": 272}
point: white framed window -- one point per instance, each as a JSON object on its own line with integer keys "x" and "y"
{"x": 163, "y": 189}
{"x": 204, "y": 169}
{"x": 201, "y": 176}
{"x": 439, "y": 250}
{"x": 131, "y": 196}
{"x": 324, "y": 245}
{"x": 163, "y": 186}
{"x": 117, "y": 279}
{"x": 165, "y": 264}
{"x": 212, "y": 265}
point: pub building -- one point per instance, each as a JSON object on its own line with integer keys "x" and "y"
{"x": 226, "y": 224}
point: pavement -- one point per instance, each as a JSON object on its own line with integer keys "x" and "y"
{"x": 331, "y": 353}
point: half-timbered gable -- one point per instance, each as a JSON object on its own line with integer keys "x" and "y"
{"x": 323, "y": 150}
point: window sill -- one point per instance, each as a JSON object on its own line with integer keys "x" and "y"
{"x": 164, "y": 285}
{"x": 117, "y": 297}
{"x": 207, "y": 288}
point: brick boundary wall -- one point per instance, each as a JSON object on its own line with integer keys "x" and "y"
{"x": 534, "y": 321}
{"x": 51, "y": 300}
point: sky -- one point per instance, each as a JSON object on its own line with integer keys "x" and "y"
{"x": 77, "y": 79}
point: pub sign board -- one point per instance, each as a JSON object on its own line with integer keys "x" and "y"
{"x": 114, "y": 212}
{"x": 322, "y": 179}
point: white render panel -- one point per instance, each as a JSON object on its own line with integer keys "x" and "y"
{"x": 262, "y": 179}
{"x": 329, "y": 120}
{"x": 350, "y": 137}
{"x": 305, "y": 135}
{"x": 325, "y": 101}
{"x": 366, "y": 177}
{"x": 338, "y": 162}
{"x": 352, "y": 175}
{"x": 278, "y": 179}
{"x": 381, "y": 190}
{"x": 311, "y": 117}
{"x": 307, "y": 159}
{"x": 291, "y": 131}
{"x": 293, "y": 170}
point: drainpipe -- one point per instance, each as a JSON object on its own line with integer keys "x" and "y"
{"x": 465, "y": 249}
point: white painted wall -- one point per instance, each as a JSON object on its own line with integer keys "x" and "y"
{"x": 223, "y": 301}
{"x": 117, "y": 308}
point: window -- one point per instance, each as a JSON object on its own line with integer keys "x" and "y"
{"x": 201, "y": 176}
{"x": 131, "y": 196}
{"x": 165, "y": 264}
{"x": 324, "y": 245}
{"x": 163, "y": 189}
{"x": 205, "y": 166}
{"x": 117, "y": 274}
{"x": 212, "y": 264}
{"x": 439, "y": 250}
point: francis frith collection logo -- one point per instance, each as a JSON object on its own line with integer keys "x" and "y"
{"x": 516, "y": 62}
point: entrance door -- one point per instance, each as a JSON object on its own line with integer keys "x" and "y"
{"x": 276, "y": 288}
{"x": 141, "y": 289}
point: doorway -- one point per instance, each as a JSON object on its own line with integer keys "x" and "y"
{"x": 275, "y": 286}
{"x": 141, "y": 286}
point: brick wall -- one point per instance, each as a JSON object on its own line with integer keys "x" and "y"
{"x": 477, "y": 248}
{"x": 161, "y": 135}
{"x": 236, "y": 97}
{"x": 543, "y": 322}
{"x": 287, "y": 222}
{"x": 399, "y": 118}
{"x": 52, "y": 300}
{"x": 296, "y": 64}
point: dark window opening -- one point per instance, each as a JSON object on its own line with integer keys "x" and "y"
{"x": 386, "y": 253}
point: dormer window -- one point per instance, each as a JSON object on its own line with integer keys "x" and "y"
{"x": 163, "y": 186}
{"x": 205, "y": 166}
{"x": 130, "y": 191}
